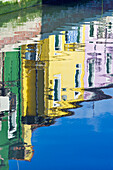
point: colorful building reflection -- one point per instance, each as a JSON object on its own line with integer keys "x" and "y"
{"x": 42, "y": 81}
{"x": 15, "y": 140}
{"x": 64, "y": 66}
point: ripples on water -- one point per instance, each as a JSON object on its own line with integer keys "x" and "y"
{"x": 57, "y": 62}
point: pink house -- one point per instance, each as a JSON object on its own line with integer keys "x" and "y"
{"x": 99, "y": 53}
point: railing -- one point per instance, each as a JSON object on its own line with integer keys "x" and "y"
{"x": 74, "y": 47}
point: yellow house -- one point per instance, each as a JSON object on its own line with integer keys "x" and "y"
{"x": 32, "y": 83}
{"x": 64, "y": 72}
{"x": 54, "y": 87}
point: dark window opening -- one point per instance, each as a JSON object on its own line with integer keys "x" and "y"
{"x": 56, "y": 90}
{"x": 91, "y": 30}
{"x": 77, "y": 78}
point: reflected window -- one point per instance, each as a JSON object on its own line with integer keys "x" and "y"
{"x": 31, "y": 52}
{"x": 58, "y": 42}
{"x": 57, "y": 89}
{"x": 12, "y": 125}
{"x": 63, "y": 89}
{"x": 92, "y": 30}
{"x": 76, "y": 94}
{"x": 78, "y": 75}
{"x": 91, "y": 73}
{"x": 109, "y": 63}
{"x": 73, "y": 36}
{"x": 11, "y": 121}
{"x": 101, "y": 32}
{"x": 64, "y": 97}
{"x": 110, "y": 25}
{"x": 66, "y": 36}
{"x": 30, "y": 56}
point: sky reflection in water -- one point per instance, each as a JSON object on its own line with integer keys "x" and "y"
{"x": 75, "y": 143}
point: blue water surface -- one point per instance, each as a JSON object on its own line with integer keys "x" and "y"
{"x": 83, "y": 141}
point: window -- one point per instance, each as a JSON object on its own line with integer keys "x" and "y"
{"x": 92, "y": 30}
{"x": 76, "y": 94}
{"x": 12, "y": 124}
{"x": 78, "y": 75}
{"x": 57, "y": 89}
{"x": 109, "y": 63}
{"x": 31, "y": 52}
{"x": 101, "y": 32}
{"x": 91, "y": 73}
{"x": 110, "y": 25}
{"x": 58, "y": 42}
{"x": 73, "y": 36}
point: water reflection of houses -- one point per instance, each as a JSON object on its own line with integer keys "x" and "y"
{"x": 75, "y": 60}
{"x": 64, "y": 67}
{"x": 46, "y": 83}
{"x": 23, "y": 149}
{"x": 99, "y": 55}
{"x": 9, "y": 89}
{"x": 23, "y": 29}
{"x": 56, "y": 71}
{"x": 44, "y": 79}
{"x": 69, "y": 62}
{"x": 15, "y": 143}
{"x": 33, "y": 87}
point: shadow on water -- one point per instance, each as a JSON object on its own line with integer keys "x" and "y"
{"x": 54, "y": 62}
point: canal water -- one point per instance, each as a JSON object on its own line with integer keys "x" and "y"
{"x": 56, "y": 87}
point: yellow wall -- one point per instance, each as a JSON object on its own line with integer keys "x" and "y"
{"x": 27, "y": 134}
{"x": 28, "y": 86}
{"x": 63, "y": 64}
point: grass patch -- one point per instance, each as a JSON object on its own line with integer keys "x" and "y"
{"x": 24, "y": 15}
{"x": 8, "y": 7}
